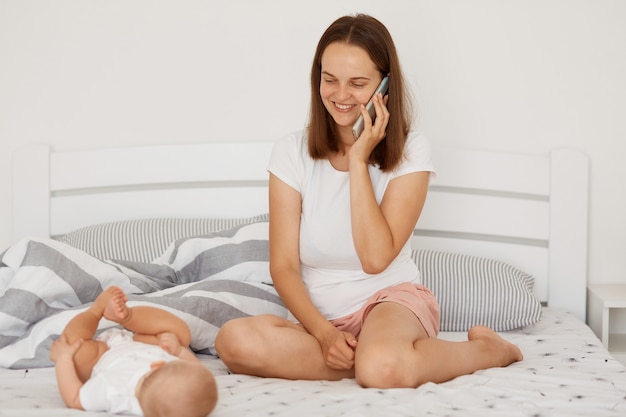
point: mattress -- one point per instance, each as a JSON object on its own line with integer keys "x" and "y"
{"x": 566, "y": 372}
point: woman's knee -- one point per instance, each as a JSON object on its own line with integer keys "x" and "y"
{"x": 229, "y": 340}
{"x": 239, "y": 341}
{"x": 386, "y": 368}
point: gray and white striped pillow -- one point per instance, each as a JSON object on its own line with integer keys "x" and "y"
{"x": 144, "y": 240}
{"x": 470, "y": 290}
{"x": 474, "y": 290}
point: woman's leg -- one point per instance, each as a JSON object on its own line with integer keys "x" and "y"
{"x": 395, "y": 351}
{"x": 270, "y": 346}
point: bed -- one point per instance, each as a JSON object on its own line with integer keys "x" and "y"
{"x": 502, "y": 241}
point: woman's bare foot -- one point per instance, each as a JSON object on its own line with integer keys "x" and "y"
{"x": 502, "y": 351}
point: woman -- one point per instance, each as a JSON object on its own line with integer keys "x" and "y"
{"x": 342, "y": 212}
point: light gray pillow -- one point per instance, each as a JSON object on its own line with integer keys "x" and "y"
{"x": 143, "y": 240}
{"x": 474, "y": 290}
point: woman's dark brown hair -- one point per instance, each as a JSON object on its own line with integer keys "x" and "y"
{"x": 372, "y": 36}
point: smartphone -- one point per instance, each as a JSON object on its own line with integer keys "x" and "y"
{"x": 358, "y": 126}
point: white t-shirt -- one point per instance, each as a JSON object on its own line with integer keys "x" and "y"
{"x": 330, "y": 267}
{"x": 114, "y": 378}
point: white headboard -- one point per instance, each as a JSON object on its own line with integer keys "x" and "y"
{"x": 527, "y": 210}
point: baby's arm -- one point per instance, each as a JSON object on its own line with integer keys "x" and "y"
{"x": 62, "y": 354}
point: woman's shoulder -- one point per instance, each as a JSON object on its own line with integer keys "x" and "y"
{"x": 418, "y": 142}
{"x": 417, "y": 136}
{"x": 290, "y": 149}
{"x": 417, "y": 155}
{"x": 293, "y": 143}
{"x": 289, "y": 159}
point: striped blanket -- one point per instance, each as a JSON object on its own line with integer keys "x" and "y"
{"x": 205, "y": 280}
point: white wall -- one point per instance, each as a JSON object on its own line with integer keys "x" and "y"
{"x": 519, "y": 75}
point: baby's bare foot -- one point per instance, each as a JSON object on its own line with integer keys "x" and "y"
{"x": 116, "y": 309}
{"x": 102, "y": 300}
{"x": 502, "y": 351}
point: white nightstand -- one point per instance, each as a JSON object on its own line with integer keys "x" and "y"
{"x": 600, "y": 300}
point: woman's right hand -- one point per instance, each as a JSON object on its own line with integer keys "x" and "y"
{"x": 373, "y": 133}
{"x": 338, "y": 349}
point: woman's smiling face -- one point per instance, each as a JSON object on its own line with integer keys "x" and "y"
{"x": 349, "y": 78}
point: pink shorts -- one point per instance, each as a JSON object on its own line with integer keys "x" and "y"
{"x": 417, "y": 298}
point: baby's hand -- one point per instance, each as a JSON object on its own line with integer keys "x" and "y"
{"x": 169, "y": 342}
{"x": 61, "y": 348}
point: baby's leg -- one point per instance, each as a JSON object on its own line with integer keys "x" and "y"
{"x": 116, "y": 309}
{"x": 149, "y": 322}
{"x": 84, "y": 326}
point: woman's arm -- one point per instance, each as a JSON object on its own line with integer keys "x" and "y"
{"x": 379, "y": 233}
{"x": 285, "y": 211}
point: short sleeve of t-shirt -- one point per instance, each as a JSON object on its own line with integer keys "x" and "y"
{"x": 418, "y": 157}
{"x": 286, "y": 161}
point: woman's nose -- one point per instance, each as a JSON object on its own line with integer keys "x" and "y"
{"x": 343, "y": 91}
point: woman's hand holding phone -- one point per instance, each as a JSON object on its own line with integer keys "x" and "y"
{"x": 373, "y": 133}
{"x": 374, "y": 128}
{"x": 370, "y": 108}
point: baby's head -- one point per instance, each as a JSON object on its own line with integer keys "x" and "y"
{"x": 178, "y": 388}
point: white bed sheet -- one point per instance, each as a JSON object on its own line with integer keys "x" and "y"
{"x": 566, "y": 372}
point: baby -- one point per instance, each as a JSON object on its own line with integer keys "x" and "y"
{"x": 147, "y": 369}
